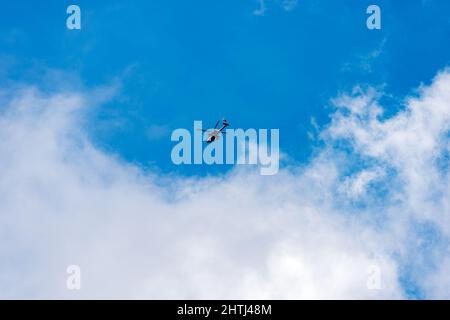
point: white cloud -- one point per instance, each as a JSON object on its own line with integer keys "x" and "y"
{"x": 412, "y": 143}
{"x": 355, "y": 186}
{"x": 298, "y": 234}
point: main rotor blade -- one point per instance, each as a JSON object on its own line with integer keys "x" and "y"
{"x": 217, "y": 123}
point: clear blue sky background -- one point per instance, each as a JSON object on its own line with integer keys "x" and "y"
{"x": 180, "y": 61}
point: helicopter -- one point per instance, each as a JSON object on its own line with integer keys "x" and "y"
{"x": 214, "y": 134}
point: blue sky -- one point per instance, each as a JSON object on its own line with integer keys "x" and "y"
{"x": 181, "y": 61}
{"x": 373, "y": 188}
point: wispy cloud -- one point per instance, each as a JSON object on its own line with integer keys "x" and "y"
{"x": 158, "y": 132}
{"x": 261, "y": 9}
{"x": 365, "y": 62}
{"x": 287, "y": 5}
